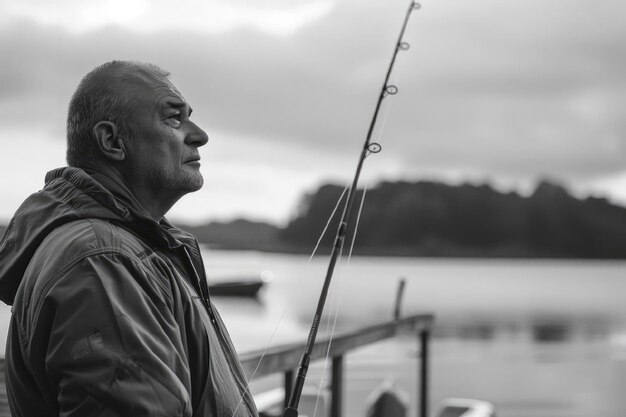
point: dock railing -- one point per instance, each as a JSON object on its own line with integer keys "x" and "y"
{"x": 285, "y": 358}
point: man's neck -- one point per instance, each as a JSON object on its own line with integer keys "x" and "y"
{"x": 116, "y": 183}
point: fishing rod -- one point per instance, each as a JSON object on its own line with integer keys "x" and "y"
{"x": 368, "y": 148}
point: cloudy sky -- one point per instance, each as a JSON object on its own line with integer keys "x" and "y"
{"x": 504, "y": 92}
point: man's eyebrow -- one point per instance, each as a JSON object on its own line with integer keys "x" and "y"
{"x": 179, "y": 104}
{"x": 173, "y": 102}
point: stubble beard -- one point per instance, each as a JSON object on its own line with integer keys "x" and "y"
{"x": 181, "y": 182}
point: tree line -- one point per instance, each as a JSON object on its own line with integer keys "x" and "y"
{"x": 434, "y": 219}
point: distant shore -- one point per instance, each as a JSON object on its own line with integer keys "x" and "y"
{"x": 428, "y": 219}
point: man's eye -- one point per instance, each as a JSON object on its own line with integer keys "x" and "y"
{"x": 174, "y": 120}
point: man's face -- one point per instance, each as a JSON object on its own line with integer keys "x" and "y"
{"x": 162, "y": 154}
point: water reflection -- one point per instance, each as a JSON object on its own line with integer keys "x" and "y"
{"x": 539, "y": 329}
{"x": 549, "y": 330}
{"x": 477, "y": 331}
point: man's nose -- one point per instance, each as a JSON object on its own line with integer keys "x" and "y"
{"x": 197, "y": 137}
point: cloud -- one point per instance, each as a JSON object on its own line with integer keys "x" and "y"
{"x": 503, "y": 90}
{"x": 275, "y": 17}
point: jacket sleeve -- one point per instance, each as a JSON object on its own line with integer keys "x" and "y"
{"x": 114, "y": 347}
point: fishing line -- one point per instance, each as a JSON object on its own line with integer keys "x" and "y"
{"x": 289, "y": 303}
{"x": 247, "y": 390}
{"x": 335, "y": 315}
{"x": 369, "y": 147}
{"x": 258, "y": 365}
{"x": 385, "y": 114}
{"x": 337, "y": 305}
{"x": 331, "y": 336}
{"x": 330, "y": 219}
{"x": 356, "y": 226}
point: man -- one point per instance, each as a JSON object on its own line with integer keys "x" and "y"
{"x": 111, "y": 314}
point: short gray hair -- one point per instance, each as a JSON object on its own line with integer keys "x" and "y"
{"x": 100, "y": 96}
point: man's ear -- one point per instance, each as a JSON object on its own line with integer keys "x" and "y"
{"x": 110, "y": 143}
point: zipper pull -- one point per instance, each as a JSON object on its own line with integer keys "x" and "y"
{"x": 203, "y": 288}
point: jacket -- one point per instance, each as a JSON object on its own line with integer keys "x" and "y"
{"x": 111, "y": 314}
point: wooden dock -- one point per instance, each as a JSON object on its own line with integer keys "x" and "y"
{"x": 284, "y": 359}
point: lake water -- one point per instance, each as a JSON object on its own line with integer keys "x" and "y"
{"x": 536, "y": 338}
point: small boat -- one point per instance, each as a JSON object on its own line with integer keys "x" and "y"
{"x": 236, "y": 288}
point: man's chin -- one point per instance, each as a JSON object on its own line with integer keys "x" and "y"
{"x": 195, "y": 183}
{"x": 183, "y": 184}
{"x": 196, "y": 187}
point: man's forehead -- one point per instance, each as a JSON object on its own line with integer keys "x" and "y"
{"x": 160, "y": 90}
{"x": 167, "y": 93}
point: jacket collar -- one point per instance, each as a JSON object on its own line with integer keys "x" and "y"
{"x": 119, "y": 200}
{"x": 72, "y": 194}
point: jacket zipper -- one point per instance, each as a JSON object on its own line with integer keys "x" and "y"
{"x": 203, "y": 289}
{"x": 204, "y": 293}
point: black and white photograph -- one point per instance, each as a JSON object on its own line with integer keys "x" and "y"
{"x": 320, "y": 208}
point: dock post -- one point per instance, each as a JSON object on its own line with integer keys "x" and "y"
{"x": 399, "y": 294}
{"x": 422, "y": 410}
{"x": 336, "y": 386}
